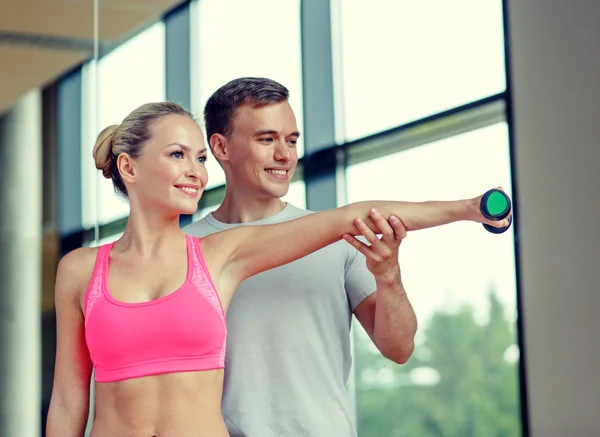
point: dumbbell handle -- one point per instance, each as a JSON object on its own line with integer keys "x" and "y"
{"x": 495, "y": 205}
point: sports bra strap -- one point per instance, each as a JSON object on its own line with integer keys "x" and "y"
{"x": 95, "y": 288}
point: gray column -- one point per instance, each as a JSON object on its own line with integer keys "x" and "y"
{"x": 321, "y": 161}
{"x": 178, "y": 64}
{"x": 554, "y": 60}
{"x": 69, "y": 113}
{"x": 20, "y": 268}
{"x": 177, "y": 56}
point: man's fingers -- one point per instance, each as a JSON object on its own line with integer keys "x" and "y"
{"x": 365, "y": 231}
{"x": 357, "y": 244}
{"x": 398, "y": 227}
{"x": 376, "y": 256}
{"x": 382, "y": 224}
{"x": 391, "y": 229}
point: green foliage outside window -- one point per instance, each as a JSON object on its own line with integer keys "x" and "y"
{"x": 462, "y": 380}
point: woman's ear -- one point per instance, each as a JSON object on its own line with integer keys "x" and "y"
{"x": 126, "y": 167}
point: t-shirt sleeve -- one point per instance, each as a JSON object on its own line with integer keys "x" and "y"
{"x": 199, "y": 229}
{"x": 359, "y": 281}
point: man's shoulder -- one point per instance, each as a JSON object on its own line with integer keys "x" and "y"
{"x": 292, "y": 212}
{"x": 340, "y": 248}
{"x": 199, "y": 228}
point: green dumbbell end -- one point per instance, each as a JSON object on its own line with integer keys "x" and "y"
{"x": 497, "y": 204}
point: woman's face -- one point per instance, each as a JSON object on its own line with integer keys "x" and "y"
{"x": 170, "y": 173}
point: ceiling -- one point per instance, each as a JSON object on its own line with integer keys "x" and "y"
{"x": 40, "y": 40}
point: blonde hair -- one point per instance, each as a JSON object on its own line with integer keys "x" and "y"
{"x": 129, "y": 137}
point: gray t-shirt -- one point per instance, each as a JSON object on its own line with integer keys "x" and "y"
{"x": 288, "y": 345}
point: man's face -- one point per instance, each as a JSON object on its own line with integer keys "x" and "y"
{"x": 262, "y": 155}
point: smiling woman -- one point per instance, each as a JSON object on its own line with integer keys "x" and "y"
{"x": 118, "y": 153}
{"x": 147, "y": 312}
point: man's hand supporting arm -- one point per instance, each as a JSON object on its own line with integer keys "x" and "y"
{"x": 387, "y": 315}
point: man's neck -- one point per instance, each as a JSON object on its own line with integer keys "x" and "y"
{"x": 244, "y": 209}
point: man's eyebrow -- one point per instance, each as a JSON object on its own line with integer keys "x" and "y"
{"x": 265, "y": 132}
{"x": 273, "y": 132}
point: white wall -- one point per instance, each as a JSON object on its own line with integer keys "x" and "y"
{"x": 555, "y": 57}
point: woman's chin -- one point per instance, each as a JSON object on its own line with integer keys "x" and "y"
{"x": 188, "y": 210}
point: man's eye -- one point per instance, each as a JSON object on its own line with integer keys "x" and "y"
{"x": 267, "y": 139}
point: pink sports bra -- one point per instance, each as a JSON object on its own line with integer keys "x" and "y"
{"x": 180, "y": 332}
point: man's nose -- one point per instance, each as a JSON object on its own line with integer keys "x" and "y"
{"x": 282, "y": 151}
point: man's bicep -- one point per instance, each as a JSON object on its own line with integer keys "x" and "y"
{"x": 361, "y": 289}
{"x": 365, "y": 314}
{"x": 359, "y": 281}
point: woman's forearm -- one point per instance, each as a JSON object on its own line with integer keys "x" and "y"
{"x": 66, "y": 422}
{"x": 414, "y": 215}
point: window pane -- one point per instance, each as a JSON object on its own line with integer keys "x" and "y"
{"x": 268, "y": 45}
{"x": 129, "y": 76}
{"x": 106, "y": 240}
{"x": 404, "y": 60}
{"x": 463, "y": 376}
{"x": 296, "y": 194}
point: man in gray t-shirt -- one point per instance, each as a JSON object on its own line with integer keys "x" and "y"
{"x": 288, "y": 347}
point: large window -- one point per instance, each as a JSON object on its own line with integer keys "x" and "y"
{"x": 403, "y": 60}
{"x": 131, "y": 75}
{"x": 463, "y": 377}
{"x": 237, "y": 38}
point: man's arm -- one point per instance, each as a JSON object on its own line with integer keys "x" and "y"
{"x": 387, "y": 315}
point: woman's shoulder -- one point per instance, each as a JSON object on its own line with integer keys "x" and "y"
{"x": 79, "y": 258}
{"x": 76, "y": 267}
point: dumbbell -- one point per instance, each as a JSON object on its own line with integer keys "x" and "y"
{"x": 495, "y": 205}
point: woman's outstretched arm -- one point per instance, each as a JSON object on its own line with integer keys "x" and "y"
{"x": 239, "y": 253}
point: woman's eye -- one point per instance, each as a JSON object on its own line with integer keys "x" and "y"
{"x": 202, "y": 159}
{"x": 177, "y": 154}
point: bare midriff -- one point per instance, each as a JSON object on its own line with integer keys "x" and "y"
{"x": 185, "y": 404}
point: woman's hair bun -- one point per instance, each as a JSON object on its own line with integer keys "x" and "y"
{"x": 103, "y": 150}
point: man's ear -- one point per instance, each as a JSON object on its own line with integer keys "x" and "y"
{"x": 126, "y": 167}
{"x": 219, "y": 147}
